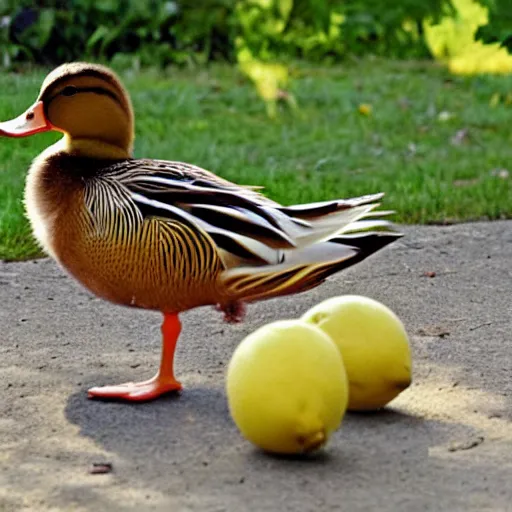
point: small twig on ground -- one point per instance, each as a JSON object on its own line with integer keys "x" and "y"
{"x": 100, "y": 468}
{"x": 472, "y": 443}
{"x": 480, "y": 325}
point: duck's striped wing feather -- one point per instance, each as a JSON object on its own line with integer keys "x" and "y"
{"x": 234, "y": 217}
{"x": 239, "y": 221}
{"x": 304, "y": 269}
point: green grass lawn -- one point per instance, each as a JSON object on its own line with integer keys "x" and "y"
{"x": 435, "y": 144}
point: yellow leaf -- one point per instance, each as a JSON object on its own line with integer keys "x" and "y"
{"x": 365, "y": 109}
{"x": 495, "y": 99}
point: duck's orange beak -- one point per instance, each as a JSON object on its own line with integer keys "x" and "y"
{"x": 31, "y": 122}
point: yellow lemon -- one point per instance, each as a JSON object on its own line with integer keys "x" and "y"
{"x": 287, "y": 387}
{"x": 374, "y": 346}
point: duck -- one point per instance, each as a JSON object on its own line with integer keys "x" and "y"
{"x": 169, "y": 236}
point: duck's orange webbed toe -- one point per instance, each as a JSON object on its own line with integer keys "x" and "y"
{"x": 136, "y": 391}
{"x": 163, "y": 382}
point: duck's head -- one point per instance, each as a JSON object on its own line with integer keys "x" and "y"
{"x": 86, "y": 102}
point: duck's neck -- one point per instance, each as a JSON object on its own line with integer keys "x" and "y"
{"x": 93, "y": 148}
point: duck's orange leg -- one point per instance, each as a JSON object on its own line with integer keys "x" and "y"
{"x": 162, "y": 382}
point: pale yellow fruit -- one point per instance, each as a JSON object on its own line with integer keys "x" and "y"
{"x": 374, "y": 346}
{"x": 287, "y": 388}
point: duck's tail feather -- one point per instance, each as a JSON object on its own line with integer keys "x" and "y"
{"x": 309, "y": 224}
{"x": 313, "y": 211}
{"x": 304, "y": 269}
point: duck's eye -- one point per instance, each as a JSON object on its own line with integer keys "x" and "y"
{"x": 70, "y": 90}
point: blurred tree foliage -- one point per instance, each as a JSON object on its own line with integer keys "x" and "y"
{"x": 152, "y": 32}
{"x": 453, "y": 41}
{"x": 499, "y": 27}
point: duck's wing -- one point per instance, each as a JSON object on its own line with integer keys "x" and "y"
{"x": 267, "y": 249}
{"x": 240, "y": 221}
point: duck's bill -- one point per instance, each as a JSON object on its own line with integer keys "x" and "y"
{"x": 31, "y": 122}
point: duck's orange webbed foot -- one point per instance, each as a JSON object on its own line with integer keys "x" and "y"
{"x": 136, "y": 391}
{"x": 163, "y": 382}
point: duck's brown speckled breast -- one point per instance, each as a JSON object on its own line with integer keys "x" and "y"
{"x": 155, "y": 264}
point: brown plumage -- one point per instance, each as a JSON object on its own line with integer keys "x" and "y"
{"x": 169, "y": 236}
